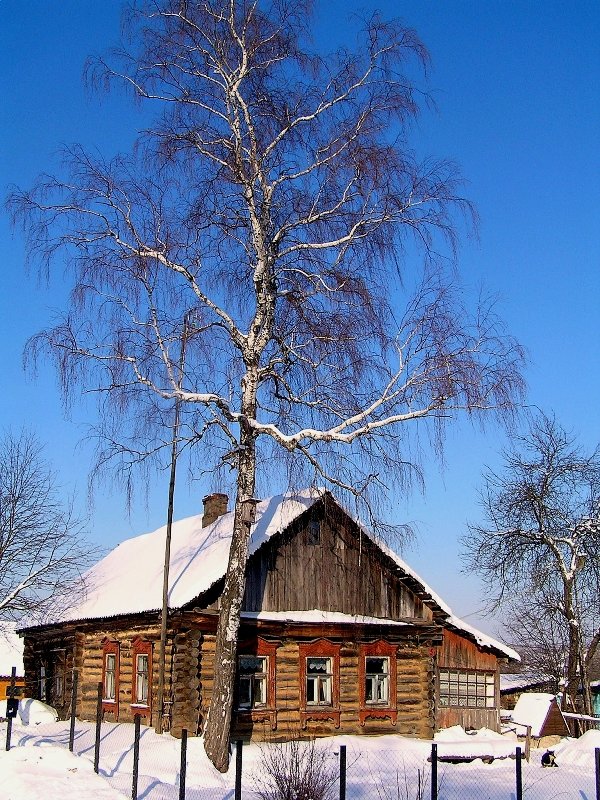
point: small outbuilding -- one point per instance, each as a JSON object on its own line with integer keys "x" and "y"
{"x": 541, "y": 712}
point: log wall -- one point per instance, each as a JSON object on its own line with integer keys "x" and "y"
{"x": 414, "y": 696}
{"x": 84, "y": 652}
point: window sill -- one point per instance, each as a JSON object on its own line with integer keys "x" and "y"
{"x": 377, "y": 712}
{"x": 258, "y": 715}
{"x": 320, "y": 713}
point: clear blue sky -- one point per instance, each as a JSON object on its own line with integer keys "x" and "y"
{"x": 518, "y": 106}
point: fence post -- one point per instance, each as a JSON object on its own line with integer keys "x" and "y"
{"x": 238, "y": 770}
{"x": 12, "y": 694}
{"x": 597, "y": 759}
{"x": 8, "y": 733}
{"x": 98, "y": 724}
{"x": 73, "y": 709}
{"x": 183, "y": 764}
{"x": 434, "y": 772}
{"x": 136, "y": 756}
{"x": 343, "y": 772}
{"x": 528, "y": 744}
{"x": 519, "y": 774}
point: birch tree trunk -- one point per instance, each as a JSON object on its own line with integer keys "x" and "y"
{"x": 217, "y": 729}
{"x": 272, "y": 198}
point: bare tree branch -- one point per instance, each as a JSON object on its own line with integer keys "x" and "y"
{"x": 42, "y": 552}
{"x": 538, "y": 547}
{"x": 278, "y": 200}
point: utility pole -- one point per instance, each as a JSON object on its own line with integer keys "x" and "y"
{"x": 160, "y": 716}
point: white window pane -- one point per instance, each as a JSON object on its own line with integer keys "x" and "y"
{"x": 376, "y": 666}
{"x": 142, "y": 678}
{"x": 260, "y": 692}
{"x": 325, "y": 690}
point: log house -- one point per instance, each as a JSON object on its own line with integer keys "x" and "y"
{"x": 338, "y": 634}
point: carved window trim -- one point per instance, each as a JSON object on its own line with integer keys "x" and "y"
{"x": 261, "y": 648}
{"x": 111, "y": 648}
{"x": 321, "y": 648}
{"x": 389, "y": 710}
{"x": 141, "y": 647}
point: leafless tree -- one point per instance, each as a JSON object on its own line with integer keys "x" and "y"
{"x": 42, "y": 553}
{"x": 539, "y": 544}
{"x": 275, "y": 205}
{"x": 538, "y": 634}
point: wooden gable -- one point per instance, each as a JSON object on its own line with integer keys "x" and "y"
{"x": 323, "y": 561}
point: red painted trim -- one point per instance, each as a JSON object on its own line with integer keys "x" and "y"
{"x": 144, "y": 708}
{"x": 260, "y": 647}
{"x": 111, "y": 647}
{"x": 324, "y": 649}
{"x": 377, "y": 711}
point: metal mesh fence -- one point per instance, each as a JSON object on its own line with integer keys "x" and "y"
{"x": 377, "y": 768}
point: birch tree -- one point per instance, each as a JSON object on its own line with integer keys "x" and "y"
{"x": 539, "y": 545}
{"x": 276, "y": 205}
{"x": 42, "y": 552}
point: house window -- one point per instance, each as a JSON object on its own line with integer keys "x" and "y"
{"x": 256, "y": 689}
{"x": 314, "y": 531}
{"x": 110, "y": 676}
{"x": 56, "y": 677}
{"x": 377, "y": 685}
{"x": 465, "y": 688}
{"x": 319, "y": 678}
{"x": 377, "y": 668}
{"x": 319, "y": 681}
{"x": 141, "y": 678}
{"x": 141, "y": 693}
{"x": 253, "y": 672}
{"x": 59, "y": 687}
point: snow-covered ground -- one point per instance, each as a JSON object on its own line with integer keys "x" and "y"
{"x": 39, "y": 766}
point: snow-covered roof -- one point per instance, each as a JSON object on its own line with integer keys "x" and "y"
{"x": 532, "y": 709}
{"x": 317, "y": 615}
{"x": 482, "y": 639}
{"x": 11, "y": 650}
{"x": 511, "y": 681}
{"x": 129, "y": 579}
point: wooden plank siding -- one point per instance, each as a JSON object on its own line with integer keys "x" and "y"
{"x": 457, "y": 652}
{"x": 344, "y": 572}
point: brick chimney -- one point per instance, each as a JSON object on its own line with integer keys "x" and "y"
{"x": 215, "y": 505}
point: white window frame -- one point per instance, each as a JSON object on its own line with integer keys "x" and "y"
{"x": 141, "y": 679}
{"x": 257, "y": 683}
{"x": 466, "y": 688}
{"x": 321, "y": 683}
{"x": 377, "y": 681}
{"x": 110, "y": 677}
